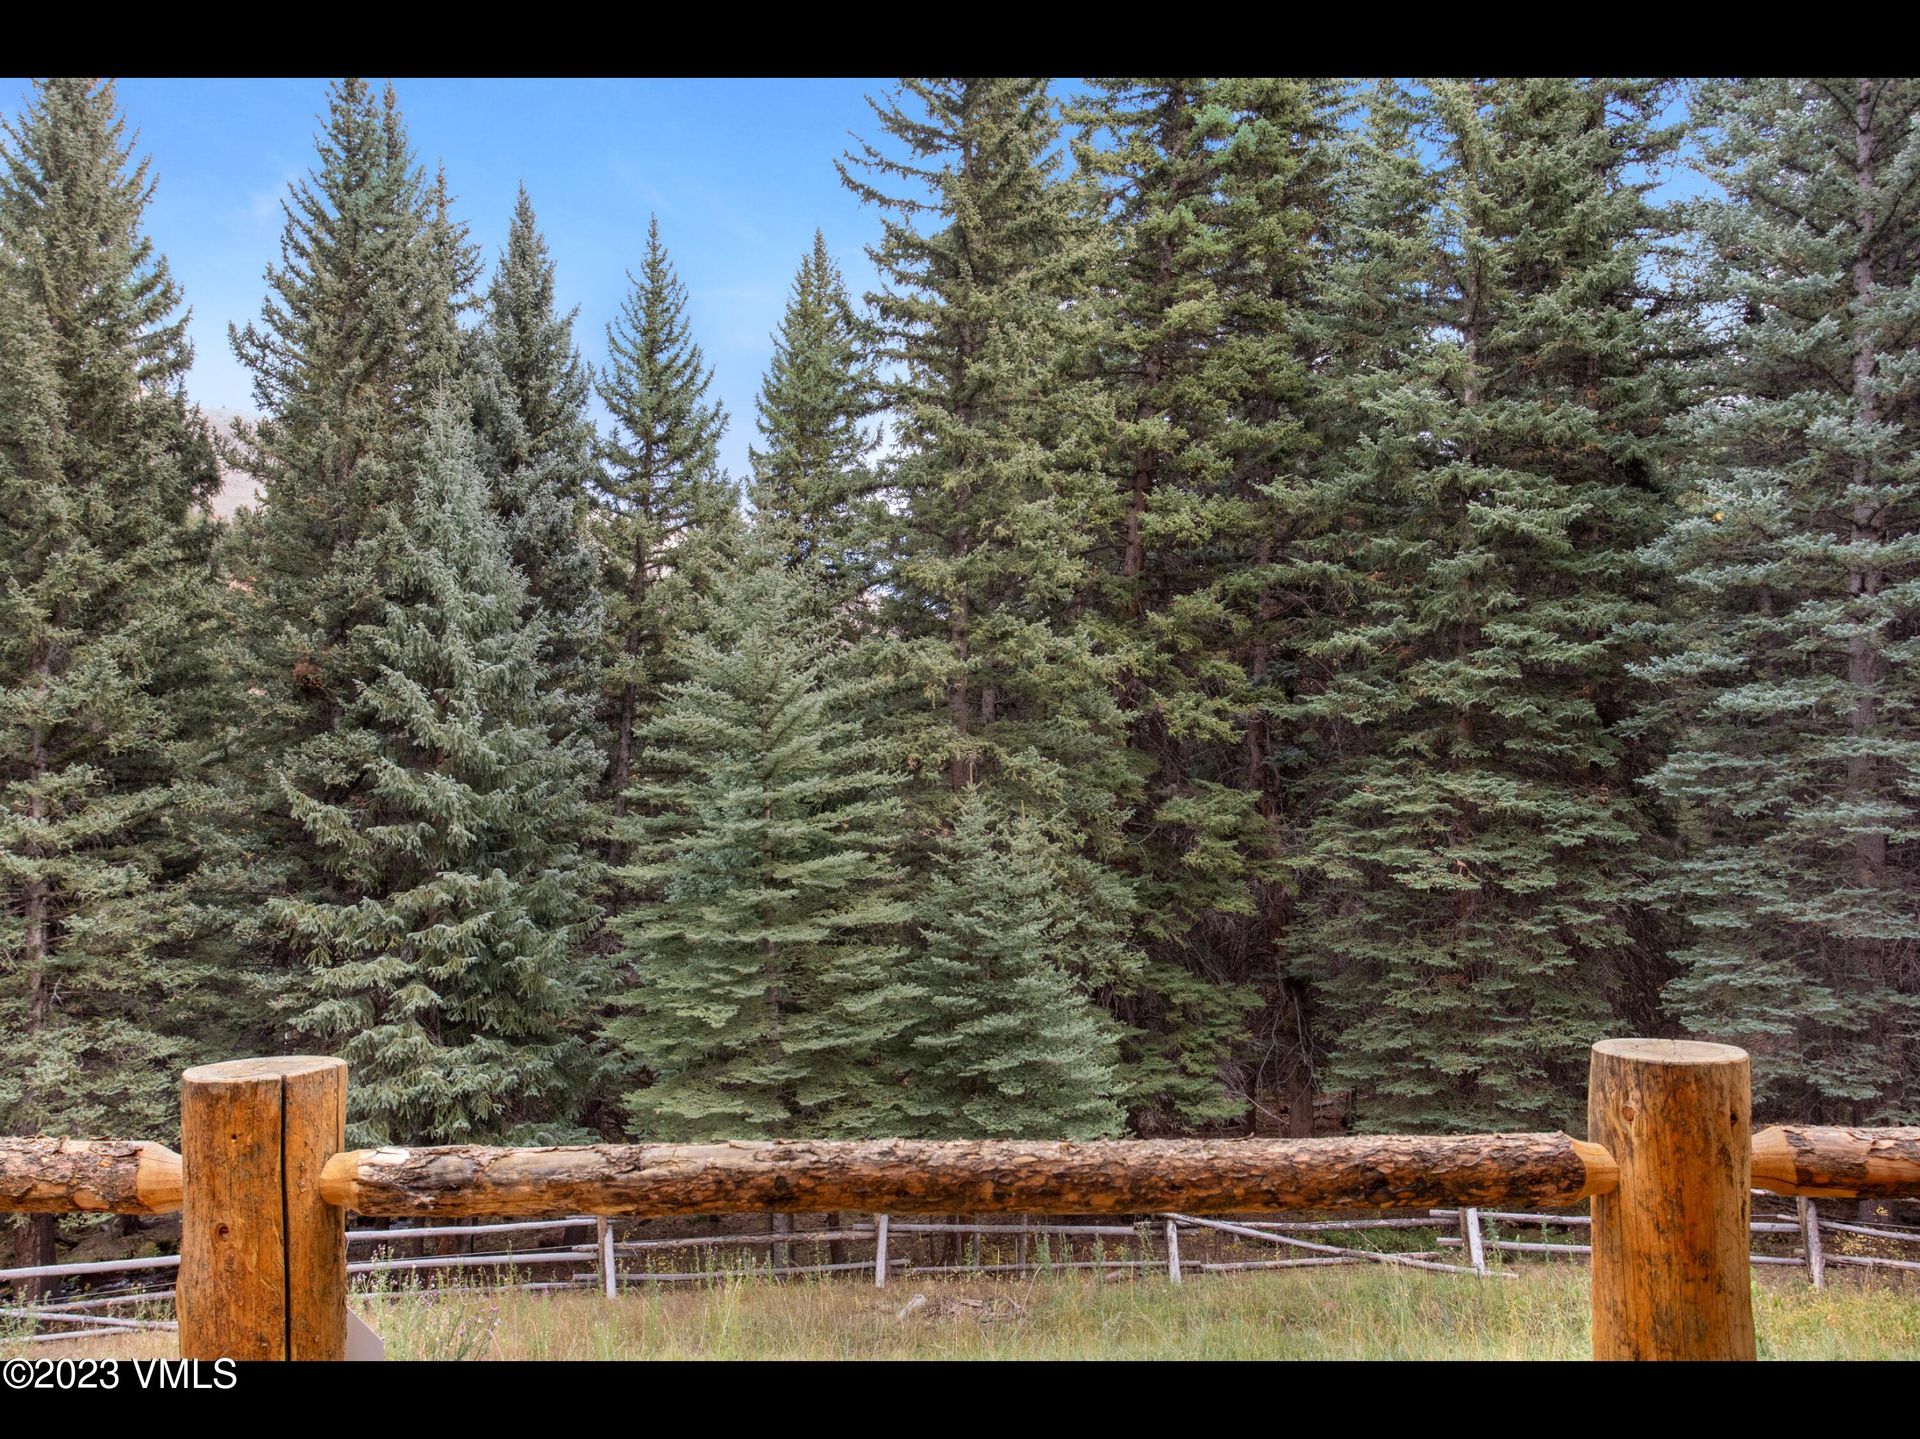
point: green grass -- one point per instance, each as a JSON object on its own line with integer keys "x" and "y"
{"x": 1374, "y": 1313}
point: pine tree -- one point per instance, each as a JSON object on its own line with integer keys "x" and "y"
{"x": 812, "y": 484}
{"x": 443, "y": 966}
{"x": 358, "y": 334}
{"x": 530, "y": 392}
{"x": 985, "y": 317}
{"x": 763, "y": 998}
{"x": 662, "y": 495}
{"x": 1372, "y": 325}
{"x": 1220, "y": 194}
{"x": 1788, "y": 665}
{"x": 358, "y": 340}
{"x": 103, "y": 470}
{"x": 1472, "y": 860}
{"x": 358, "y": 330}
{"x": 985, "y": 325}
{"x": 1006, "y": 1043}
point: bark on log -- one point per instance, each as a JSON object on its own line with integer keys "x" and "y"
{"x": 1835, "y": 1163}
{"x": 88, "y": 1176}
{"x": 989, "y": 1176}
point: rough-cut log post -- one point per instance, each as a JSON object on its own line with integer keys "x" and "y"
{"x": 1670, "y": 1272}
{"x": 263, "y": 1255}
{"x": 879, "y": 1251}
{"x": 88, "y": 1176}
{"x": 1810, "y": 1242}
{"x": 1835, "y": 1163}
{"x": 900, "y": 1176}
{"x": 1173, "y": 1251}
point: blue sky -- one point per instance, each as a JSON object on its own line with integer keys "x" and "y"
{"x": 740, "y": 173}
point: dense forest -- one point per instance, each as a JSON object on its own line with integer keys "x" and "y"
{"x": 1287, "y": 590}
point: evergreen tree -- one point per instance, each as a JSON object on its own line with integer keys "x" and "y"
{"x": 1006, "y": 1044}
{"x": 812, "y": 485}
{"x": 985, "y": 317}
{"x": 986, "y": 322}
{"x": 103, "y": 468}
{"x": 764, "y": 999}
{"x": 443, "y": 963}
{"x": 357, "y": 335}
{"x": 1219, "y": 194}
{"x": 1789, "y": 657}
{"x": 530, "y": 393}
{"x": 661, "y": 498}
{"x": 1472, "y": 861}
{"x": 357, "y": 331}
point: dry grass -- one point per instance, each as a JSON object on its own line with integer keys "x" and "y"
{"x": 1303, "y": 1314}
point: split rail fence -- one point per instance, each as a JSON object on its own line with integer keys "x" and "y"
{"x": 265, "y": 1182}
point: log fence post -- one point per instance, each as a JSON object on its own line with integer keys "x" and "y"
{"x": 263, "y": 1257}
{"x": 1173, "y": 1251}
{"x": 879, "y": 1251}
{"x": 1671, "y": 1276}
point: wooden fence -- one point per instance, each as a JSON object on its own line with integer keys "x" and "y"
{"x": 266, "y": 1182}
{"x": 1152, "y": 1242}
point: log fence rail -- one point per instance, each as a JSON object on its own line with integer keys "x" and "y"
{"x": 266, "y": 1182}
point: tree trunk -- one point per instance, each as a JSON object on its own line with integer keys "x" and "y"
{"x": 34, "y": 1245}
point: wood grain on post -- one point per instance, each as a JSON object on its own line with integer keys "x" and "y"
{"x": 1824, "y": 1162}
{"x": 1670, "y": 1269}
{"x": 985, "y": 1176}
{"x": 88, "y": 1176}
{"x": 263, "y": 1255}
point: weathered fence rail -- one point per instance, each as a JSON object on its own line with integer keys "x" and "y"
{"x": 265, "y": 1182}
{"x": 980, "y": 1177}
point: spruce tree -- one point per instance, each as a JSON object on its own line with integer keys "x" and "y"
{"x": 1788, "y": 671}
{"x": 985, "y": 319}
{"x": 357, "y": 334}
{"x": 763, "y": 996}
{"x": 985, "y": 326}
{"x": 1220, "y": 192}
{"x": 530, "y": 392}
{"x": 1006, "y": 1042}
{"x": 103, "y": 586}
{"x": 443, "y": 965}
{"x": 1471, "y": 860}
{"x": 358, "y": 342}
{"x": 812, "y": 485}
{"x": 661, "y": 498}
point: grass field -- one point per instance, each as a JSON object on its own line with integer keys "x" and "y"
{"x": 1331, "y": 1313}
